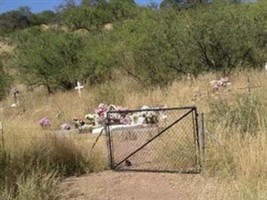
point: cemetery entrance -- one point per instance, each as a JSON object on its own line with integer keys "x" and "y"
{"x": 160, "y": 140}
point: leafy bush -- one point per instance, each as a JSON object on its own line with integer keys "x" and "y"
{"x": 154, "y": 46}
{"x": 49, "y": 58}
{"x": 12, "y": 21}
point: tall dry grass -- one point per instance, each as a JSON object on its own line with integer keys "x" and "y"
{"x": 34, "y": 160}
{"x": 235, "y": 166}
{"x": 31, "y": 167}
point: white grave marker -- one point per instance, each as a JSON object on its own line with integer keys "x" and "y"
{"x": 79, "y": 87}
{"x": 15, "y": 94}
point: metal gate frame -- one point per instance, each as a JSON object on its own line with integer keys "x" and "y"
{"x": 198, "y": 132}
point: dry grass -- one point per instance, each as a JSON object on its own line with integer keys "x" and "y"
{"x": 234, "y": 169}
{"x": 5, "y": 48}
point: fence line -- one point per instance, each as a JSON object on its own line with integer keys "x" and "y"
{"x": 164, "y": 144}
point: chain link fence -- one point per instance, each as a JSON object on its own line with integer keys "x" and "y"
{"x": 164, "y": 140}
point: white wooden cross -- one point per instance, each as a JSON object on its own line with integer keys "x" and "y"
{"x": 79, "y": 87}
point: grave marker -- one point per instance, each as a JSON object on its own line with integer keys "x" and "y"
{"x": 79, "y": 87}
{"x": 15, "y": 94}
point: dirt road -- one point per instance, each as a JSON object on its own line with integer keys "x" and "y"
{"x": 111, "y": 185}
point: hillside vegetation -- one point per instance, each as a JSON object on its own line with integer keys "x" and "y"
{"x": 34, "y": 160}
{"x": 132, "y": 56}
{"x": 153, "y": 46}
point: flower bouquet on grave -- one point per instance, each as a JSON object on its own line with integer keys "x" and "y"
{"x": 78, "y": 122}
{"x": 90, "y": 119}
{"x": 44, "y": 123}
{"x": 65, "y": 126}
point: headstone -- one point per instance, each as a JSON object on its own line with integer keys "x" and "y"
{"x": 79, "y": 87}
{"x": 15, "y": 93}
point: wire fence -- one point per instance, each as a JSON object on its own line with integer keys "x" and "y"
{"x": 169, "y": 142}
{"x": 165, "y": 140}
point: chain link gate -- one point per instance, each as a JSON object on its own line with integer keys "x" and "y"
{"x": 168, "y": 143}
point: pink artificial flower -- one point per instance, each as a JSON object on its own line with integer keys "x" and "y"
{"x": 65, "y": 126}
{"x": 44, "y": 122}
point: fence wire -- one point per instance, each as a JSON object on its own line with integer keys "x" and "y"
{"x": 167, "y": 144}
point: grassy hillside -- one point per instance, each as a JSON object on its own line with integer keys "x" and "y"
{"x": 153, "y": 46}
{"x": 236, "y": 161}
{"x": 142, "y": 59}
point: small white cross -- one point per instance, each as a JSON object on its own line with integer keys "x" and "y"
{"x": 79, "y": 87}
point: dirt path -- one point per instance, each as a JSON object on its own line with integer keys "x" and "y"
{"x": 111, "y": 185}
